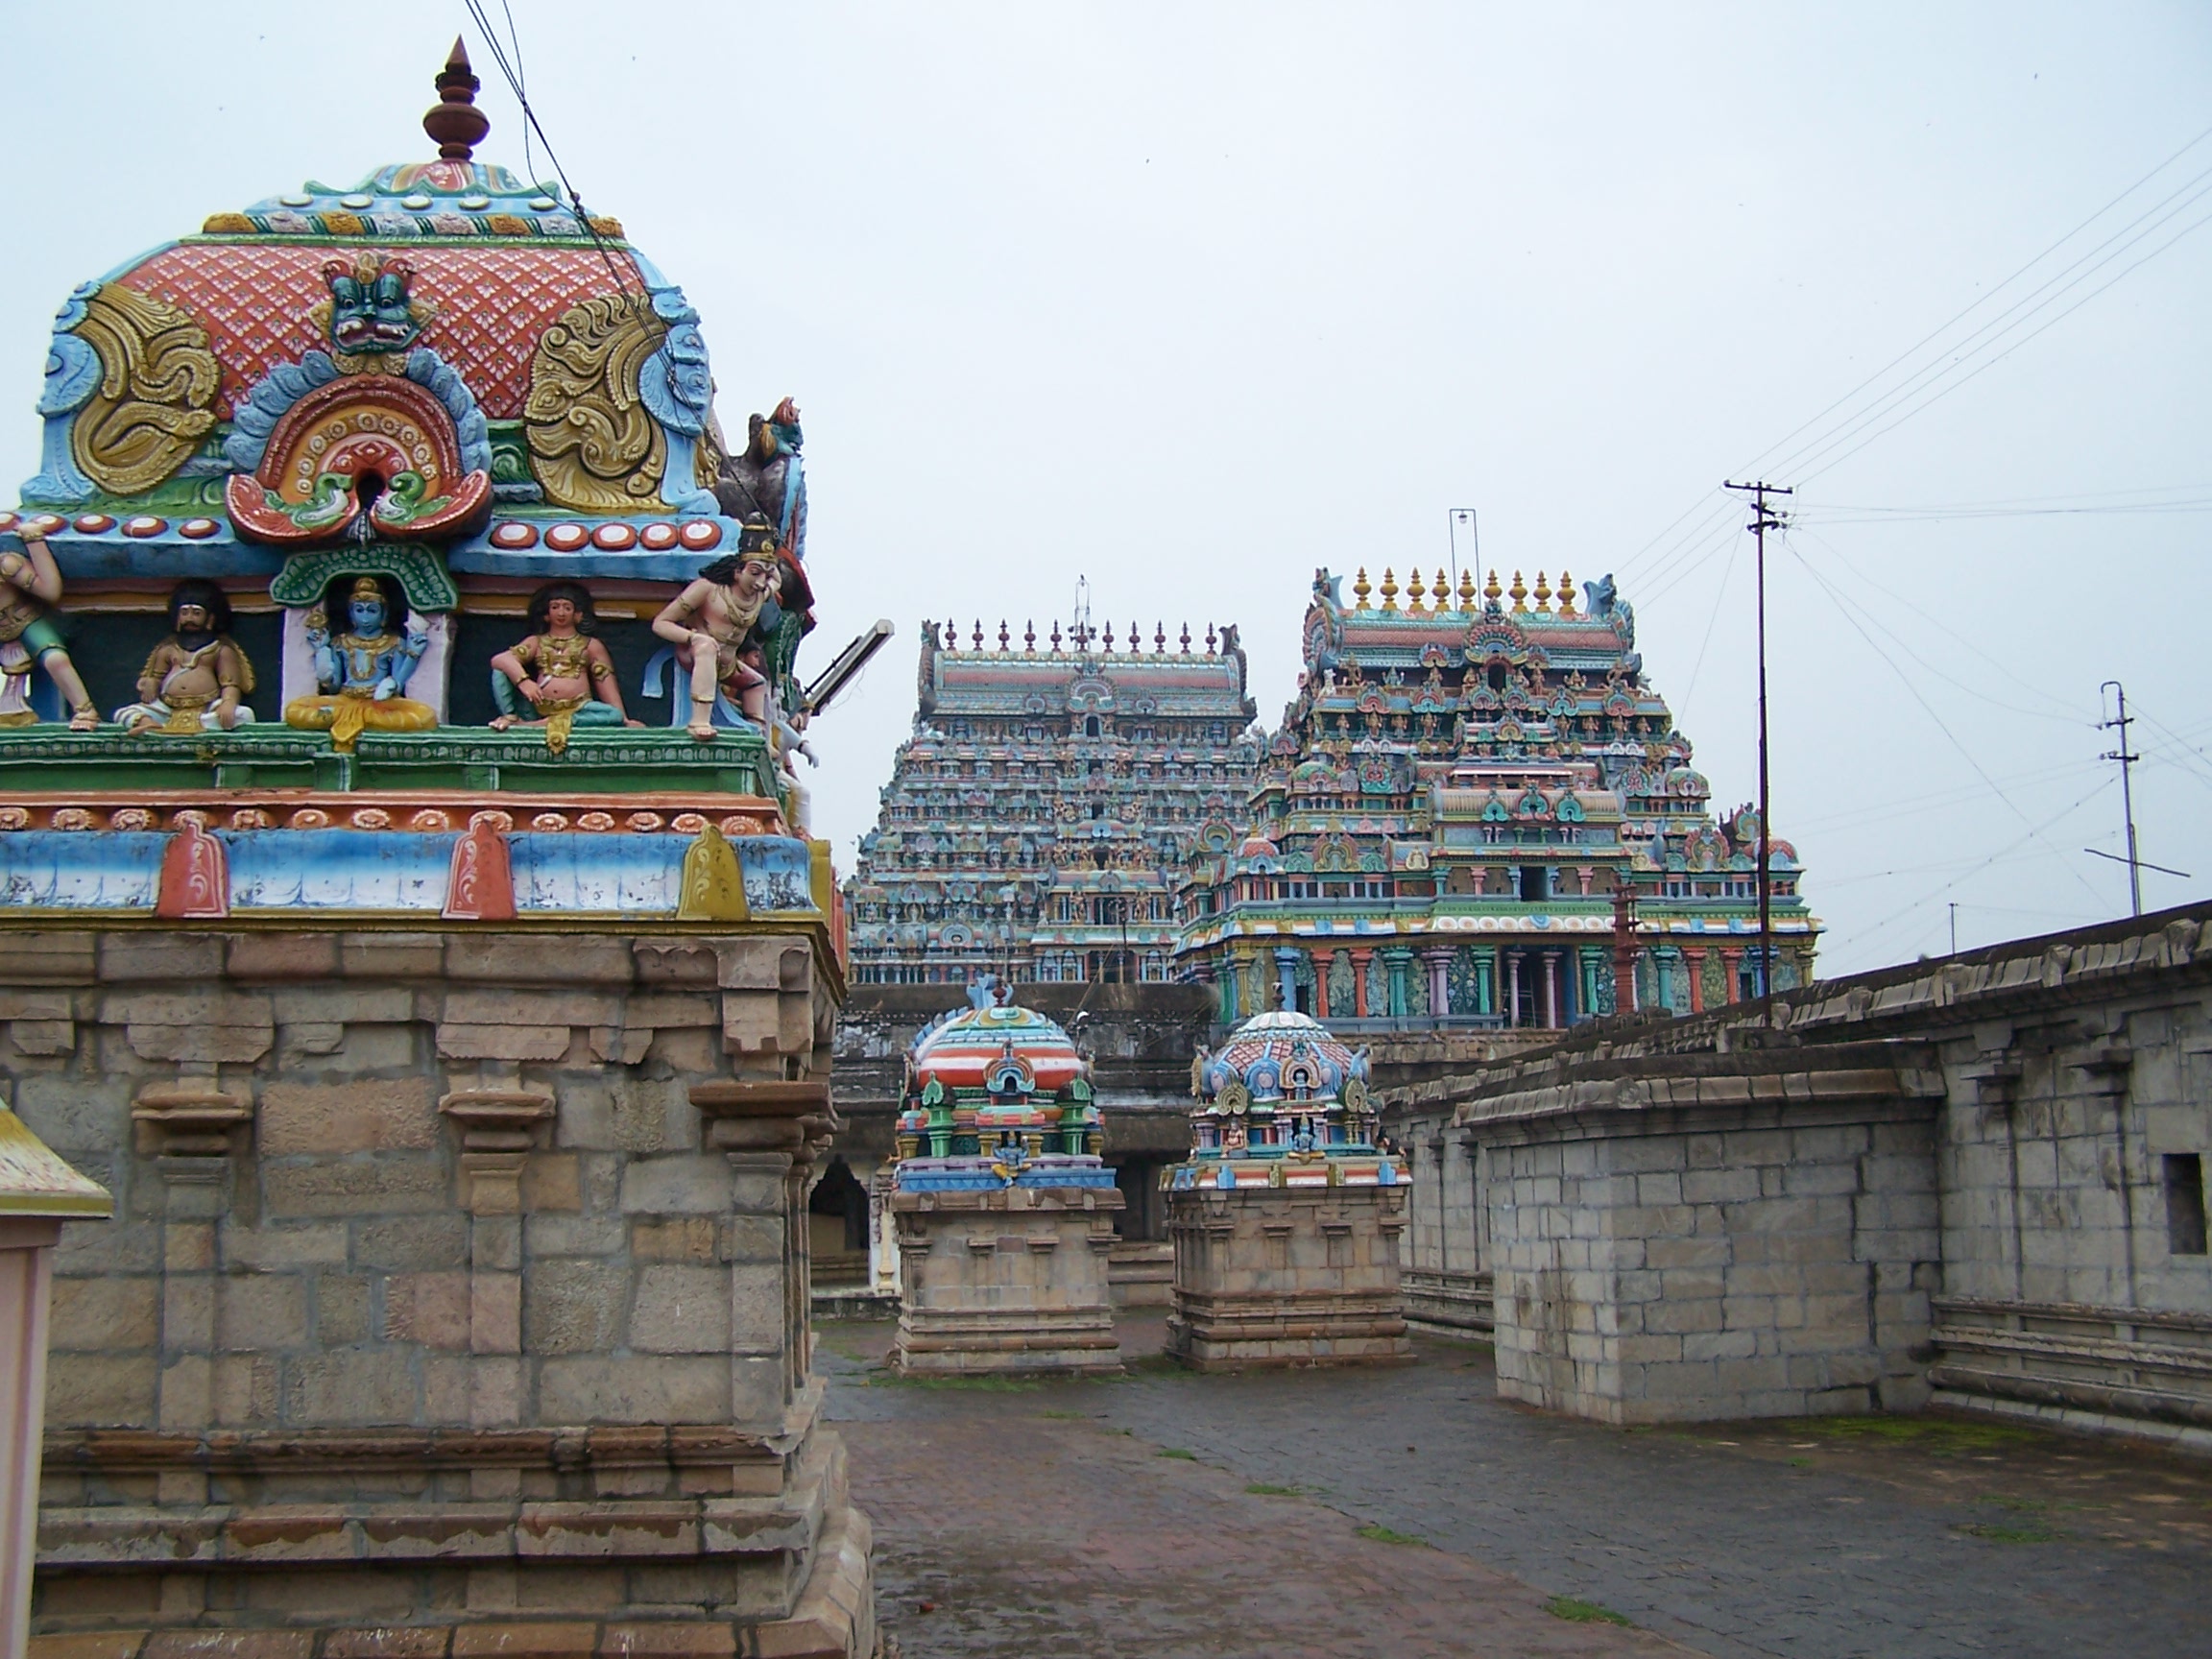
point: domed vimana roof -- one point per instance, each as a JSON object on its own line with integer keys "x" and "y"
{"x": 529, "y": 393}
{"x": 1282, "y": 1103}
{"x": 997, "y": 1095}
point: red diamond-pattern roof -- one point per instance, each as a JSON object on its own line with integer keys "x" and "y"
{"x": 492, "y": 303}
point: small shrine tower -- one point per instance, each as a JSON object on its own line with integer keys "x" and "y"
{"x": 1005, "y": 1212}
{"x": 1287, "y": 1216}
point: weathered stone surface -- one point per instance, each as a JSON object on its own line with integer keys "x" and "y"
{"x": 399, "y": 1114}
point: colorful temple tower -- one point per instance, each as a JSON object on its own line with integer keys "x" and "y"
{"x": 409, "y": 912}
{"x": 1037, "y": 823}
{"x": 1287, "y": 1216}
{"x": 1003, "y": 1209}
{"x": 1478, "y": 813}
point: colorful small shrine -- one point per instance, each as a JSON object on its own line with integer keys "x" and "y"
{"x": 386, "y": 556}
{"x": 997, "y": 1095}
{"x": 1040, "y": 820}
{"x": 1002, "y": 1209}
{"x": 1284, "y": 1104}
{"x": 1462, "y": 788}
{"x": 1287, "y": 1216}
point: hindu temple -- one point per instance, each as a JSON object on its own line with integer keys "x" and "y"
{"x": 1479, "y": 812}
{"x": 1286, "y": 1216}
{"x": 410, "y": 918}
{"x": 1003, "y": 1209}
{"x": 1040, "y": 819}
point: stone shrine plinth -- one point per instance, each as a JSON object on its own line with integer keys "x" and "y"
{"x": 1010, "y": 1281}
{"x": 1003, "y": 1211}
{"x": 1287, "y": 1218}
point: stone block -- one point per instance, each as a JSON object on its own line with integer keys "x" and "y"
{"x": 680, "y": 1185}
{"x": 681, "y": 1311}
{"x": 667, "y": 1641}
{"x": 100, "y": 1391}
{"x": 574, "y": 1234}
{"x": 281, "y": 958}
{"x": 552, "y": 1181}
{"x": 432, "y": 1309}
{"x": 524, "y": 1641}
{"x": 388, "y": 1642}
{"x": 398, "y": 1113}
{"x": 514, "y": 1042}
{"x": 598, "y": 1388}
{"x": 356, "y": 1389}
{"x": 341, "y": 1308}
{"x": 390, "y": 1184}
{"x": 416, "y": 1243}
{"x": 696, "y": 1239}
{"x": 92, "y": 1315}
{"x": 262, "y": 1311}
{"x": 1693, "y": 1252}
{"x": 160, "y": 958}
{"x": 757, "y": 1308}
{"x": 75, "y": 1116}
{"x": 573, "y": 1306}
{"x": 259, "y": 1249}
{"x": 244, "y": 1390}
{"x": 495, "y": 1313}
{"x": 1683, "y": 1317}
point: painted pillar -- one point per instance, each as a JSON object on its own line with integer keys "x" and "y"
{"x": 1439, "y": 960}
{"x": 1592, "y": 980}
{"x": 1398, "y": 959}
{"x": 1287, "y": 976}
{"x": 1359, "y": 961}
{"x": 1551, "y": 1018}
{"x": 1513, "y": 988}
{"x": 1322, "y": 961}
{"x": 1696, "y": 958}
{"x": 38, "y": 1193}
{"x": 1733, "y": 962}
{"x": 1486, "y": 979}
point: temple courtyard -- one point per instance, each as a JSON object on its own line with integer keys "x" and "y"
{"x": 1408, "y": 1512}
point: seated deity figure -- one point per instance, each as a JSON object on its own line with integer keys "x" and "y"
{"x": 29, "y": 588}
{"x": 195, "y": 680}
{"x": 718, "y": 625}
{"x": 559, "y": 671}
{"x": 362, "y": 672}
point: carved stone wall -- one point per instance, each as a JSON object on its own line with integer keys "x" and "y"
{"x": 458, "y": 1281}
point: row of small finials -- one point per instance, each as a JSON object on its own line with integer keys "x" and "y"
{"x": 1081, "y": 638}
{"x": 1416, "y": 591}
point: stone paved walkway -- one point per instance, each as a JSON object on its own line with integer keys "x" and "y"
{"x": 1054, "y": 1519}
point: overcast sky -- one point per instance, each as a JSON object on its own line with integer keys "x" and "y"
{"x": 1193, "y": 299}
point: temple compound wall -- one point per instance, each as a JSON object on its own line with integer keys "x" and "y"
{"x": 1977, "y": 1183}
{"x": 458, "y": 1281}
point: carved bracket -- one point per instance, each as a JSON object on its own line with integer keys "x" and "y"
{"x": 188, "y": 1120}
{"x": 496, "y": 1119}
{"x": 766, "y": 1116}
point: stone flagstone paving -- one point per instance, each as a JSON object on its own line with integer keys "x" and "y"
{"x": 1051, "y": 1520}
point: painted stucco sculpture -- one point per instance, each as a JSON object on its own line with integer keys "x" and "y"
{"x": 1003, "y": 1209}
{"x": 1287, "y": 1216}
{"x": 370, "y": 424}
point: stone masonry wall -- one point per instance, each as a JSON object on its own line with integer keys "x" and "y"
{"x": 457, "y": 1278}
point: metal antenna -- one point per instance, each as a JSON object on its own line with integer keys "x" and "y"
{"x": 1454, "y": 520}
{"x": 2121, "y": 721}
{"x": 1763, "y": 519}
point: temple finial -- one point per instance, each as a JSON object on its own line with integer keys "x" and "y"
{"x": 454, "y": 123}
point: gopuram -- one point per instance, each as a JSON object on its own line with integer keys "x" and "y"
{"x": 1037, "y": 823}
{"x": 1463, "y": 787}
{"x": 1004, "y": 1214}
{"x": 410, "y": 919}
{"x": 1286, "y": 1218}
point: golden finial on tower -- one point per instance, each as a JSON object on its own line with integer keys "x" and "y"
{"x": 1360, "y": 590}
{"x": 454, "y": 123}
{"x": 1466, "y": 589}
{"x": 1520, "y": 592}
{"x": 1491, "y": 589}
{"x": 1443, "y": 593}
{"x": 1543, "y": 592}
{"x": 1415, "y": 590}
{"x": 1389, "y": 588}
{"x": 1566, "y": 594}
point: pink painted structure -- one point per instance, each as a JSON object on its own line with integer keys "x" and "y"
{"x": 38, "y": 1193}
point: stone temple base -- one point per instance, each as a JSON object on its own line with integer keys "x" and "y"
{"x": 1276, "y": 1276}
{"x": 1006, "y": 1281}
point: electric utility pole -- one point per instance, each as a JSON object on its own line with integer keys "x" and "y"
{"x": 1762, "y": 519}
{"x": 2121, "y": 722}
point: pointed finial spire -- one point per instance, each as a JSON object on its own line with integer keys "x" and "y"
{"x": 1520, "y": 592}
{"x": 1415, "y": 590}
{"x": 454, "y": 123}
{"x": 1029, "y": 635}
{"x": 1466, "y": 589}
{"x": 978, "y": 633}
{"x": 1389, "y": 588}
{"x": 1490, "y": 589}
{"x": 1208, "y": 639}
{"x": 1055, "y": 635}
{"x": 1543, "y": 592}
{"x": 1566, "y": 593}
{"x": 1159, "y": 637}
{"x": 1442, "y": 591}
{"x": 1360, "y": 590}
{"x": 1109, "y": 632}
{"x": 1004, "y": 637}
{"x": 1135, "y": 640}
{"x": 1185, "y": 639}
{"x": 951, "y": 635}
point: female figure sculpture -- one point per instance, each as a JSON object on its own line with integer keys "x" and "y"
{"x": 561, "y": 672}
{"x": 362, "y": 672}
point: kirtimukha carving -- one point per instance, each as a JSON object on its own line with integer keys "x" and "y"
{"x": 362, "y": 672}
{"x": 29, "y": 588}
{"x": 196, "y": 679}
{"x": 594, "y": 445}
{"x": 561, "y": 672}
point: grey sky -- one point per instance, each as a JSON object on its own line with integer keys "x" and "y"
{"x": 1194, "y": 298}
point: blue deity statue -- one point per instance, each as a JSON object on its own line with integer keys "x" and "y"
{"x": 362, "y": 672}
